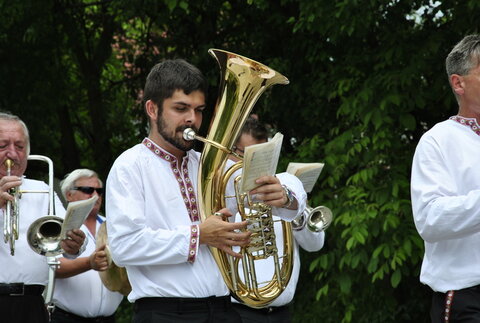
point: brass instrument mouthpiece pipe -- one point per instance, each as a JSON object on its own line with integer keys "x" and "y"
{"x": 9, "y": 164}
{"x": 189, "y": 135}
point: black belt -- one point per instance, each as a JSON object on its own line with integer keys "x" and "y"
{"x": 178, "y": 304}
{"x": 85, "y": 319}
{"x": 264, "y": 310}
{"x": 20, "y": 289}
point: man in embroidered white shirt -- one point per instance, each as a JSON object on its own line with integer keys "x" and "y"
{"x": 446, "y": 195}
{"x": 153, "y": 222}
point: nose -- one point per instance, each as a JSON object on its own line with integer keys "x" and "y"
{"x": 190, "y": 117}
{"x": 11, "y": 153}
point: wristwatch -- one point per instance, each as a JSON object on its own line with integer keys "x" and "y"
{"x": 290, "y": 197}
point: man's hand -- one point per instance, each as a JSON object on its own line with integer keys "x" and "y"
{"x": 271, "y": 192}
{"x": 74, "y": 241}
{"x": 6, "y": 183}
{"x": 216, "y": 232}
{"x": 98, "y": 259}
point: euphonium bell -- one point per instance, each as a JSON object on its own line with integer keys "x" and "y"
{"x": 242, "y": 82}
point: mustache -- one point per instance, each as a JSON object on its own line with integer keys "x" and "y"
{"x": 15, "y": 162}
{"x": 182, "y": 128}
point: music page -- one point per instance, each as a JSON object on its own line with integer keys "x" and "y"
{"x": 76, "y": 214}
{"x": 307, "y": 173}
{"x": 260, "y": 160}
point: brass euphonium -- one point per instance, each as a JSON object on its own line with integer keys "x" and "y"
{"x": 241, "y": 84}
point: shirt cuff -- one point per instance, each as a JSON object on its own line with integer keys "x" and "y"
{"x": 193, "y": 245}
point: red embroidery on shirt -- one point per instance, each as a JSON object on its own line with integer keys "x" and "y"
{"x": 186, "y": 187}
{"x": 192, "y": 251}
{"x": 469, "y": 122}
{"x": 448, "y": 305}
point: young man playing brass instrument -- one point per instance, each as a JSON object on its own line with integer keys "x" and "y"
{"x": 24, "y": 275}
{"x": 152, "y": 216}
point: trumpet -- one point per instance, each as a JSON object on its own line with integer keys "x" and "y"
{"x": 315, "y": 219}
{"x": 10, "y": 216}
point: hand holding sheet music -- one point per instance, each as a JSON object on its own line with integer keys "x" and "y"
{"x": 260, "y": 160}
{"x": 76, "y": 214}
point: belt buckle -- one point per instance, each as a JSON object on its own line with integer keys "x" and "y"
{"x": 21, "y": 293}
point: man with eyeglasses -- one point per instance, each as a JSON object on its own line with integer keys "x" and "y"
{"x": 80, "y": 295}
{"x": 279, "y": 311}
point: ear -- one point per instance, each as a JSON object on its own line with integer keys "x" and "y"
{"x": 151, "y": 109}
{"x": 458, "y": 86}
{"x": 68, "y": 196}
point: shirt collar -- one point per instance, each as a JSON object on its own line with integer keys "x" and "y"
{"x": 469, "y": 122}
{"x": 160, "y": 152}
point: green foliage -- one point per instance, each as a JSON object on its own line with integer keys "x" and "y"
{"x": 366, "y": 80}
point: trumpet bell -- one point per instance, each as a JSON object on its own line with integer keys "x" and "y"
{"x": 43, "y": 236}
{"x": 319, "y": 219}
{"x": 114, "y": 278}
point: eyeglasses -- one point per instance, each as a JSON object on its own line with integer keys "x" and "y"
{"x": 89, "y": 189}
{"x": 238, "y": 150}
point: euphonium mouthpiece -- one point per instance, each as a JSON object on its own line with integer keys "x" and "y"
{"x": 189, "y": 134}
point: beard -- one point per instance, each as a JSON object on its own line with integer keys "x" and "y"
{"x": 176, "y": 139}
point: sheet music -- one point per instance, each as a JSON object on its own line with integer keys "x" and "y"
{"x": 260, "y": 160}
{"x": 307, "y": 173}
{"x": 76, "y": 214}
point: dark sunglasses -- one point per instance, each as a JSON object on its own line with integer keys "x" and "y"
{"x": 88, "y": 189}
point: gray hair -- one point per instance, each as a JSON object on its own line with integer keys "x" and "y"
{"x": 464, "y": 56}
{"x": 11, "y": 117}
{"x": 68, "y": 183}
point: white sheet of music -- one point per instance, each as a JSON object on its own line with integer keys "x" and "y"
{"x": 307, "y": 173}
{"x": 260, "y": 160}
{"x": 76, "y": 214}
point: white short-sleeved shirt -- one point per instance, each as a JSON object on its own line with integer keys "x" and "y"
{"x": 26, "y": 266}
{"x": 84, "y": 294}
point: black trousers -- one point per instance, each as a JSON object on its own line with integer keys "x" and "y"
{"x": 464, "y": 306}
{"x": 191, "y": 310}
{"x": 61, "y": 316}
{"x": 23, "y": 309}
{"x": 279, "y": 314}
